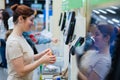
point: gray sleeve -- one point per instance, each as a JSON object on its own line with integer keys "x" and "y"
{"x": 102, "y": 68}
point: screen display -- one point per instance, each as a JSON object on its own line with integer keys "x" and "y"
{"x": 71, "y": 28}
{"x": 36, "y": 6}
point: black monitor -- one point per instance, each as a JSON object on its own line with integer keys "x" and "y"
{"x": 71, "y": 28}
{"x": 61, "y": 15}
{"x": 64, "y": 21}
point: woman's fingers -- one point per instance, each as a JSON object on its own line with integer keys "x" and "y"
{"x": 52, "y": 59}
{"x": 47, "y": 50}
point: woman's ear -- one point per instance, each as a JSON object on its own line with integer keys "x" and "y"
{"x": 20, "y": 19}
{"x": 107, "y": 38}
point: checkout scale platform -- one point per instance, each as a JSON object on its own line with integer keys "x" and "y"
{"x": 48, "y": 71}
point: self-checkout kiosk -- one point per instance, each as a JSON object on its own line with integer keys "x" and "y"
{"x": 72, "y": 27}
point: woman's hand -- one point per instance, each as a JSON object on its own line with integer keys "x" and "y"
{"x": 39, "y": 55}
{"x": 48, "y": 57}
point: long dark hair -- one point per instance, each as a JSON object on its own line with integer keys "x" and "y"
{"x": 5, "y": 17}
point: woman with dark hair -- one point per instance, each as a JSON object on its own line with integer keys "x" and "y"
{"x": 95, "y": 64}
{"x": 20, "y": 56}
{"x": 3, "y": 22}
{"x": 4, "y": 17}
{"x": 3, "y": 28}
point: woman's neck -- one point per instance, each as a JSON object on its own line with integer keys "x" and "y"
{"x": 104, "y": 50}
{"x": 17, "y": 31}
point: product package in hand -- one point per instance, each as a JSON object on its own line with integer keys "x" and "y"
{"x": 51, "y": 52}
{"x": 50, "y": 58}
{"x": 55, "y": 51}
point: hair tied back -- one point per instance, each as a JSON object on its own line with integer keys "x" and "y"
{"x": 14, "y": 7}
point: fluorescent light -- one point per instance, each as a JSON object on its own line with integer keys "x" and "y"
{"x": 21, "y": 1}
{"x": 118, "y": 25}
{"x": 110, "y": 22}
{"x": 114, "y": 7}
{"x": 95, "y": 11}
{"x": 103, "y": 17}
{"x": 115, "y": 20}
{"x": 35, "y": 1}
{"x": 111, "y": 11}
{"x": 103, "y": 11}
{"x": 7, "y": 1}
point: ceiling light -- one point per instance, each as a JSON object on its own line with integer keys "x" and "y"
{"x": 118, "y": 25}
{"x": 95, "y": 11}
{"x": 103, "y": 17}
{"x": 35, "y": 1}
{"x": 114, "y": 7}
{"x": 103, "y": 11}
{"x": 111, "y": 11}
{"x": 7, "y": 1}
{"x": 110, "y": 22}
{"x": 21, "y": 1}
{"x": 115, "y": 20}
